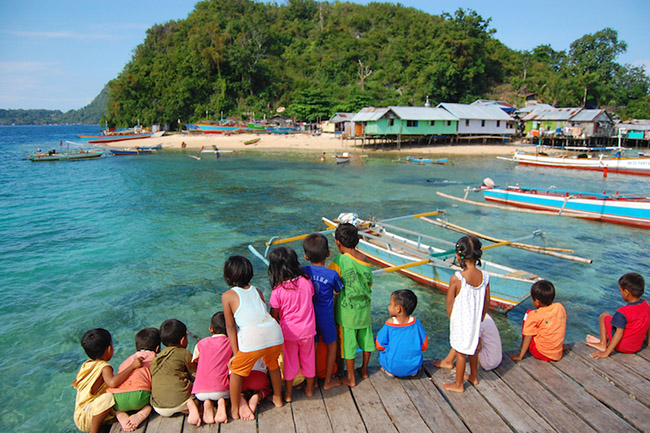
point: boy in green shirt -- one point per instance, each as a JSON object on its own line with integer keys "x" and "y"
{"x": 353, "y": 313}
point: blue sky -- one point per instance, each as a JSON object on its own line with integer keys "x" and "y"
{"x": 59, "y": 55}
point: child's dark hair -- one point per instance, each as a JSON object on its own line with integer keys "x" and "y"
{"x": 406, "y": 299}
{"x": 95, "y": 342}
{"x": 469, "y": 248}
{"x": 238, "y": 271}
{"x": 316, "y": 247}
{"x": 172, "y": 332}
{"x": 543, "y": 291}
{"x": 347, "y": 234}
{"x": 147, "y": 339}
{"x": 218, "y": 323}
{"x": 633, "y": 283}
{"x": 283, "y": 266}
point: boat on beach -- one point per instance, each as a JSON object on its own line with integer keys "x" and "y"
{"x": 252, "y": 141}
{"x": 508, "y": 286}
{"x": 419, "y": 160}
{"x": 633, "y": 210}
{"x": 611, "y": 163}
{"x": 67, "y": 155}
{"x": 124, "y": 137}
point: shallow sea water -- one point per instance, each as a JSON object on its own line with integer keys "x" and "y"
{"x": 127, "y": 242}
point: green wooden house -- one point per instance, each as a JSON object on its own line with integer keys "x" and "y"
{"x": 404, "y": 121}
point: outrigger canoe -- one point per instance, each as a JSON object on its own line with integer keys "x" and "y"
{"x": 148, "y": 150}
{"x": 69, "y": 155}
{"x": 426, "y": 160}
{"x": 614, "y": 208}
{"x": 508, "y": 286}
{"x": 616, "y": 163}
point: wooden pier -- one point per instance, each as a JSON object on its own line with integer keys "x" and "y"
{"x": 577, "y": 394}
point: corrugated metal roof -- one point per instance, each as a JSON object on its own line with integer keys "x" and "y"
{"x": 341, "y": 117}
{"x": 421, "y": 113}
{"x": 508, "y": 108}
{"x": 536, "y": 107}
{"x": 557, "y": 114}
{"x": 586, "y": 115}
{"x": 479, "y": 112}
{"x": 369, "y": 114}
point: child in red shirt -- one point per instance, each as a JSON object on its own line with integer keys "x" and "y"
{"x": 626, "y": 330}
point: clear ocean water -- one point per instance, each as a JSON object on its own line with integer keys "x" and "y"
{"x": 127, "y": 242}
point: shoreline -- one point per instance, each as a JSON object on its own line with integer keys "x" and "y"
{"x": 327, "y": 143}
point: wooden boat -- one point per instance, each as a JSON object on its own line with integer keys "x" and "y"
{"x": 622, "y": 209}
{"x": 252, "y": 141}
{"x": 616, "y": 163}
{"x": 145, "y": 150}
{"x": 215, "y": 128}
{"x": 124, "y": 137}
{"x": 68, "y": 155}
{"x": 426, "y": 160}
{"x": 508, "y": 287}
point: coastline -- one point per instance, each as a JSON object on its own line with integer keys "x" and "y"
{"x": 312, "y": 143}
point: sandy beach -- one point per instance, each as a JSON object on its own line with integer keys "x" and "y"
{"x": 327, "y": 143}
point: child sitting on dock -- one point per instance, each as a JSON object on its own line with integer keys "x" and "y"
{"x": 468, "y": 299}
{"x": 252, "y": 332}
{"x": 93, "y": 404}
{"x": 353, "y": 313}
{"x": 212, "y": 383}
{"x": 402, "y": 339}
{"x": 172, "y": 373}
{"x": 630, "y": 325}
{"x": 134, "y": 393}
{"x": 489, "y": 348}
{"x": 544, "y": 328}
{"x": 326, "y": 282}
{"x": 292, "y": 306}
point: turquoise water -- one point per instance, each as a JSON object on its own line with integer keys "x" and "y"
{"x": 127, "y": 242}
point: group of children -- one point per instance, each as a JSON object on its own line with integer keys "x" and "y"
{"x": 312, "y": 308}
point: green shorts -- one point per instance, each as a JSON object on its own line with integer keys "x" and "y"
{"x": 131, "y": 400}
{"x": 353, "y": 338}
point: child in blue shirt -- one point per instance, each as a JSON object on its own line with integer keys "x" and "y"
{"x": 326, "y": 282}
{"x": 402, "y": 339}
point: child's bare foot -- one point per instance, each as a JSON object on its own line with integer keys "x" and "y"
{"x": 137, "y": 418}
{"x": 453, "y": 387}
{"x": 245, "y": 411}
{"x": 595, "y": 343}
{"x": 208, "y": 412}
{"x": 194, "y": 419}
{"x": 593, "y": 339}
{"x": 123, "y": 419}
{"x": 470, "y": 379}
{"x": 222, "y": 415}
{"x": 254, "y": 400}
{"x": 387, "y": 373}
{"x": 277, "y": 400}
{"x": 441, "y": 363}
{"x": 345, "y": 380}
{"x": 363, "y": 372}
{"x": 234, "y": 412}
{"x": 332, "y": 383}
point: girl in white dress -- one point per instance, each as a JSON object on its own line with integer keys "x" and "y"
{"x": 468, "y": 299}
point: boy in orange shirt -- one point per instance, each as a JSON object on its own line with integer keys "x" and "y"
{"x": 543, "y": 329}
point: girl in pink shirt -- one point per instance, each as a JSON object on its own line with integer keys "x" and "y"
{"x": 292, "y": 306}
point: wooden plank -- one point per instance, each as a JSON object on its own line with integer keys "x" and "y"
{"x": 623, "y": 377}
{"x": 605, "y": 391}
{"x": 640, "y": 365}
{"x": 207, "y": 428}
{"x": 574, "y": 396}
{"x": 537, "y": 396}
{"x": 470, "y": 406}
{"x": 341, "y": 409}
{"x": 117, "y": 428}
{"x": 232, "y": 426}
{"x": 309, "y": 413}
{"x": 397, "y": 402}
{"x": 163, "y": 424}
{"x": 274, "y": 419}
{"x": 371, "y": 408}
{"x": 644, "y": 353}
{"x": 432, "y": 406}
{"x": 516, "y": 412}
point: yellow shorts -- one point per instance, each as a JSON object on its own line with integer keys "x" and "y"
{"x": 243, "y": 362}
{"x": 169, "y": 411}
{"x": 83, "y": 417}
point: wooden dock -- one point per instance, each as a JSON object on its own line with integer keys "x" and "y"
{"x": 577, "y": 394}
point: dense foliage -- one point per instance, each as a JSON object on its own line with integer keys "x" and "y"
{"x": 88, "y": 115}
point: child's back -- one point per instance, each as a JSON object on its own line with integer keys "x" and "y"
{"x": 490, "y": 354}
{"x": 466, "y": 315}
{"x": 213, "y": 354}
{"x": 547, "y": 325}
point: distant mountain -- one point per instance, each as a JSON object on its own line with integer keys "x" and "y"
{"x": 89, "y": 115}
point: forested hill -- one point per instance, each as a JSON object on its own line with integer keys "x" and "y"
{"x": 315, "y": 58}
{"x": 88, "y": 115}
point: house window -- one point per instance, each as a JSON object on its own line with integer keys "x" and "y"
{"x": 483, "y": 123}
{"x": 498, "y": 123}
{"x": 448, "y": 122}
{"x": 391, "y": 122}
{"x": 466, "y": 122}
{"x": 412, "y": 123}
{"x": 433, "y": 123}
